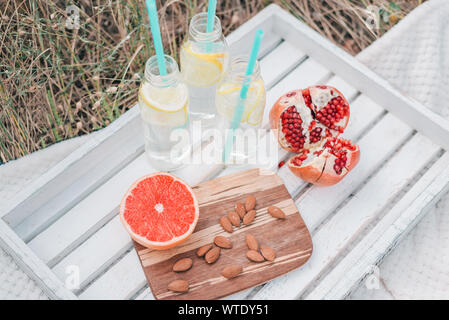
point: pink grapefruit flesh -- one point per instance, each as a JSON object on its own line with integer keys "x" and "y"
{"x": 159, "y": 211}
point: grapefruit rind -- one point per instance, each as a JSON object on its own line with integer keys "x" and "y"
{"x": 158, "y": 245}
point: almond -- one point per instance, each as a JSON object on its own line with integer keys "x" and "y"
{"x": 212, "y": 255}
{"x": 276, "y": 212}
{"x": 223, "y": 242}
{"x": 203, "y": 250}
{"x": 250, "y": 203}
{"x": 230, "y": 272}
{"x": 178, "y": 286}
{"x": 234, "y": 218}
{"x": 249, "y": 217}
{"x": 251, "y": 242}
{"x": 240, "y": 209}
{"x": 226, "y": 224}
{"x": 255, "y": 256}
{"x": 268, "y": 253}
{"x": 183, "y": 264}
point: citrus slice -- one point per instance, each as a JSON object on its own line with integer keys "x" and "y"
{"x": 201, "y": 69}
{"x": 255, "y": 113}
{"x": 159, "y": 211}
{"x": 227, "y": 98}
{"x": 164, "y": 106}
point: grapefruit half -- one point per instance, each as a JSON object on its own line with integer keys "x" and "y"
{"x": 159, "y": 211}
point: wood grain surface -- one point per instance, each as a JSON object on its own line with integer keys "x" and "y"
{"x": 290, "y": 238}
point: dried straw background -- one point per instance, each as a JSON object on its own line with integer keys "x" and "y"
{"x": 58, "y": 83}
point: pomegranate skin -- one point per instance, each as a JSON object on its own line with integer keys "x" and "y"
{"x": 314, "y": 173}
{"x": 307, "y": 173}
{"x": 275, "y": 113}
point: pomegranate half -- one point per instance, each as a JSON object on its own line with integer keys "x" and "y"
{"x": 308, "y": 122}
{"x": 328, "y": 165}
{"x": 302, "y": 119}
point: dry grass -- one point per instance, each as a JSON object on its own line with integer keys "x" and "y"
{"x": 58, "y": 83}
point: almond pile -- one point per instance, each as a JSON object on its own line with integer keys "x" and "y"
{"x": 245, "y": 214}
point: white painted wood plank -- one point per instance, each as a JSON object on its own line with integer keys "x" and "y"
{"x": 95, "y": 255}
{"x": 59, "y": 189}
{"x": 285, "y": 57}
{"x": 347, "y": 89}
{"x": 32, "y": 265}
{"x": 145, "y": 295}
{"x": 241, "y": 39}
{"x": 318, "y": 202}
{"x": 122, "y": 281}
{"x": 386, "y": 234}
{"x": 82, "y": 220}
{"x": 349, "y": 221}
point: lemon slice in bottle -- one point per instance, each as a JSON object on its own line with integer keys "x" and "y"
{"x": 201, "y": 69}
{"x": 255, "y": 113}
{"x": 164, "y": 106}
{"x": 227, "y": 99}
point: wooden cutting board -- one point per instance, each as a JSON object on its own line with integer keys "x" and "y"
{"x": 290, "y": 238}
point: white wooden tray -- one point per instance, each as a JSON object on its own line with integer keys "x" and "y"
{"x": 68, "y": 217}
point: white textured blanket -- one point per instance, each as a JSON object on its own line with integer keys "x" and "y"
{"x": 413, "y": 56}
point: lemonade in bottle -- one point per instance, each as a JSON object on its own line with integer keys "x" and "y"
{"x": 204, "y": 60}
{"x": 228, "y": 91}
{"x": 227, "y": 99}
{"x": 164, "y": 104}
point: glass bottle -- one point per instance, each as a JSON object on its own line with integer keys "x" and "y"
{"x": 204, "y": 59}
{"x": 227, "y": 98}
{"x": 164, "y": 108}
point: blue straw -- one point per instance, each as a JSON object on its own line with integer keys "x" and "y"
{"x": 154, "y": 23}
{"x": 211, "y": 8}
{"x": 238, "y": 112}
